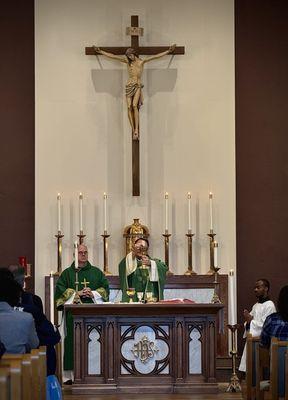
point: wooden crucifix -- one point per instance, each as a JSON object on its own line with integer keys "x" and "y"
{"x": 130, "y": 56}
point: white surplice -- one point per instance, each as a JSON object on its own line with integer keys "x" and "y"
{"x": 259, "y": 312}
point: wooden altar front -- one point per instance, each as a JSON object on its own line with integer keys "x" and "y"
{"x": 152, "y": 348}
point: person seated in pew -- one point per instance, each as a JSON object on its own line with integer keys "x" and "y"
{"x": 47, "y": 333}
{"x": 141, "y": 272}
{"x": 2, "y": 349}
{"x": 26, "y": 297}
{"x": 276, "y": 324}
{"x": 255, "y": 319}
{"x": 17, "y": 329}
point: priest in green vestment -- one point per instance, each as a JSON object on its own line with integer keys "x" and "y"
{"x": 93, "y": 288}
{"x": 141, "y": 272}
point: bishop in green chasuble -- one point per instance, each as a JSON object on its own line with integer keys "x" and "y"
{"x": 149, "y": 279}
{"x": 93, "y": 287}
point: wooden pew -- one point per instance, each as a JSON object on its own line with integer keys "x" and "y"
{"x": 42, "y": 372}
{"x": 278, "y": 389}
{"x": 14, "y": 368}
{"x": 262, "y": 367}
{"x": 38, "y": 358}
{"x": 286, "y": 375}
{"x": 26, "y": 373}
{"x": 4, "y": 383}
{"x": 251, "y": 344}
{"x": 32, "y": 372}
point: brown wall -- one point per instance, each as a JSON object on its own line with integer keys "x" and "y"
{"x": 17, "y": 105}
{"x": 261, "y": 145}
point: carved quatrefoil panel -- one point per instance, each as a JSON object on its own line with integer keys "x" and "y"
{"x": 145, "y": 350}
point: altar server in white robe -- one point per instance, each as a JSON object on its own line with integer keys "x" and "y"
{"x": 255, "y": 319}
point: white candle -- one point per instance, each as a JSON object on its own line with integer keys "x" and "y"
{"x": 231, "y": 298}
{"x": 76, "y": 254}
{"x": 215, "y": 245}
{"x": 81, "y": 212}
{"x": 52, "y": 297}
{"x": 189, "y": 212}
{"x": 59, "y": 212}
{"x": 105, "y": 211}
{"x": 166, "y": 212}
{"x": 211, "y": 210}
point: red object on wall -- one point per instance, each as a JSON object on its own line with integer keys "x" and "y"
{"x": 23, "y": 261}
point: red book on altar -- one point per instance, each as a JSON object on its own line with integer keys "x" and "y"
{"x": 175, "y": 301}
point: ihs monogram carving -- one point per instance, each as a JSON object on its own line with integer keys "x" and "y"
{"x": 144, "y": 349}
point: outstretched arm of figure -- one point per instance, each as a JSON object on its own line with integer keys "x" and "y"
{"x": 159, "y": 55}
{"x": 110, "y": 55}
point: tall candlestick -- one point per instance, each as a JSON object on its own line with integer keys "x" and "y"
{"x": 166, "y": 212}
{"x": 231, "y": 285}
{"x": 52, "y": 297}
{"x": 215, "y": 247}
{"x": 189, "y": 212}
{"x": 81, "y": 212}
{"x": 211, "y": 210}
{"x": 76, "y": 254}
{"x": 105, "y": 212}
{"x": 59, "y": 212}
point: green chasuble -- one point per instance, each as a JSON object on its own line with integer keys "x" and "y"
{"x": 139, "y": 279}
{"x": 65, "y": 287}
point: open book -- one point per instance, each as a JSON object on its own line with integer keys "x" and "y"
{"x": 177, "y": 300}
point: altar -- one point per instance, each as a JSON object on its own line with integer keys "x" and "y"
{"x": 152, "y": 348}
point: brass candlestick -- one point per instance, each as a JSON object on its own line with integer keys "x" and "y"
{"x": 211, "y": 245}
{"x": 77, "y": 299}
{"x": 59, "y": 237}
{"x": 215, "y": 298}
{"x": 190, "y": 271}
{"x": 234, "y": 385}
{"x": 105, "y": 236}
{"x": 81, "y": 237}
{"x": 166, "y": 236}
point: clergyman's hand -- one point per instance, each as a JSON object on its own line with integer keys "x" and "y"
{"x": 247, "y": 316}
{"x": 85, "y": 292}
{"x": 88, "y": 292}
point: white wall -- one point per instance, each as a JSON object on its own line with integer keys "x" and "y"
{"x": 83, "y": 136}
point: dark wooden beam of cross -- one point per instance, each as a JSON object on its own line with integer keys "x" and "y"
{"x": 135, "y": 31}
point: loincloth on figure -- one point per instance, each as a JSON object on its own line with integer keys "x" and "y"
{"x": 131, "y": 88}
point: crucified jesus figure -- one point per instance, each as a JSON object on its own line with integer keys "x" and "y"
{"x": 133, "y": 92}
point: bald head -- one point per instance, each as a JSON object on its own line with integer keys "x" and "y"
{"x": 82, "y": 255}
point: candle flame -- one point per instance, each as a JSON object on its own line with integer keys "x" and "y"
{"x": 58, "y": 196}
{"x": 215, "y": 244}
{"x": 80, "y": 196}
{"x": 210, "y": 195}
{"x": 51, "y": 273}
{"x": 231, "y": 272}
{"x": 166, "y": 195}
{"x": 105, "y": 195}
{"x": 189, "y": 195}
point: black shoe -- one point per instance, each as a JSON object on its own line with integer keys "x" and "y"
{"x": 69, "y": 382}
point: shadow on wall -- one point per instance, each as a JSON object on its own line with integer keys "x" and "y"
{"x": 161, "y": 80}
{"x": 108, "y": 81}
{"x": 111, "y": 81}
